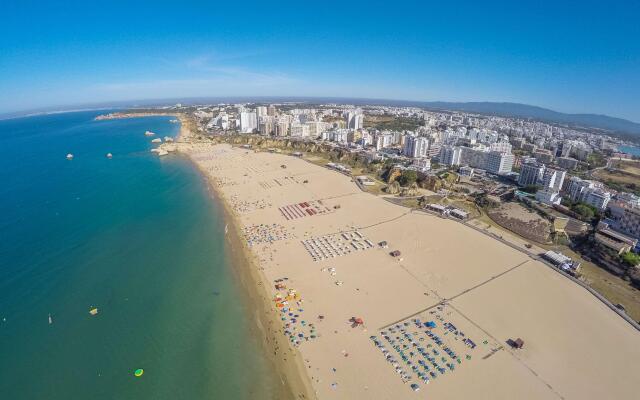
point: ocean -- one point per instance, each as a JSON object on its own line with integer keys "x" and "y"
{"x": 634, "y": 151}
{"x": 137, "y": 237}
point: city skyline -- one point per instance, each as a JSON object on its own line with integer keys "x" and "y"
{"x": 527, "y": 54}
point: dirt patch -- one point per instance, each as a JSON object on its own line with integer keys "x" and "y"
{"x": 520, "y": 220}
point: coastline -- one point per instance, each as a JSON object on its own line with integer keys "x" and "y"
{"x": 467, "y": 289}
{"x": 286, "y": 361}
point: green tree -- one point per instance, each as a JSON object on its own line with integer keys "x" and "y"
{"x": 631, "y": 259}
{"x": 584, "y": 211}
{"x": 408, "y": 177}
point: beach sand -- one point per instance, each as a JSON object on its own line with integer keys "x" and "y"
{"x": 575, "y": 347}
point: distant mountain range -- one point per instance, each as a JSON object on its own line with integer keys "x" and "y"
{"x": 539, "y": 113}
{"x": 624, "y": 128}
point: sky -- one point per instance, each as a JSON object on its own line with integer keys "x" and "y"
{"x": 570, "y": 56}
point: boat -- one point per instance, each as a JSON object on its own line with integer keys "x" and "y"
{"x": 69, "y": 156}
{"x": 109, "y": 155}
{"x": 50, "y": 320}
{"x": 149, "y": 133}
{"x": 226, "y": 229}
{"x": 156, "y": 140}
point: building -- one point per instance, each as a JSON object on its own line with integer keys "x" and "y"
{"x": 354, "y": 120}
{"x": 597, "y": 198}
{"x": 553, "y": 179}
{"x": 282, "y": 127}
{"x": 530, "y": 173}
{"x": 548, "y": 197}
{"x": 567, "y": 162}
{"x": 299, "y": 130}
{"x": 499, "y": 162}
{"x": 248, "y": 122}
{"x": 502, "y": 147}
{"x": 271, "y": 110}
{"x": 383, "y": 140}
{"x": 422, "y": 164}
{"x": 415, "y": 146}
{"x": 261, "y": 111}
{"x": 450, "y": 155}
{"x": 266, "y": 126}
{"x": 625, "y": 214}
{"x": 588, "y": 192}
{"x": 543, "y": 155}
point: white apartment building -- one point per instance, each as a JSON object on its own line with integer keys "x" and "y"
{"x": 530, "y": 173}
{"x": 499, "y": 162}
{"x": 383, "y": 140}
{"x": 625, "y": 214}
{"x": 248, "y": 122}
{"x": 422, "y": 164}
{"x": 588, "y": 192}
{"x": 548, "y": 197}
{"x": 354, "y": 120}
{"x": 553, "y": 179}
{"x": 261, "y": 111}
{"x": 415, "y": 146}
{"x": 450, "y": 155}
{"x": 299, "y": 130}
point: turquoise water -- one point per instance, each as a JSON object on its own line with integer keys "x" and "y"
{"x": 135, "y": 236}
{"x": 634, "y": 151}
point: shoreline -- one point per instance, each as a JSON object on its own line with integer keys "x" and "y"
{"x": 290, "y": 370}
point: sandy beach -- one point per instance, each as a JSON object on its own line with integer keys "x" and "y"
{"x": 316, "y": 261}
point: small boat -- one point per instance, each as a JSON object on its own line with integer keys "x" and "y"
{"x": 109, "y": 155}
{"x": 156, "y": 140}
{"x": 69, "y": 156}
{"x": 50, "y": 320}
{"x": 226, "y": 229}
{"x": 149, "y": 133}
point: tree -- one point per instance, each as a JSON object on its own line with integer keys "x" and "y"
{"x": 631, "y": 259}
{"x": 408, "y": 177}
{"x": 584, "y": 211}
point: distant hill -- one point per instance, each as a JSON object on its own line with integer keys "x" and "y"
{"x": 527, "y": 111}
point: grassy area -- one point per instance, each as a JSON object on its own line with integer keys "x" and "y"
{"x": 388, "y": 122}
{"x": 625, "y": 178}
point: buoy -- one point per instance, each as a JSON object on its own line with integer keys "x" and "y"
{"x": 138, "y": 373}
{"x": 69, "y": 156}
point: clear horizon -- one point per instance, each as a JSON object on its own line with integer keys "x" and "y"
{"x": 568, "y": 57}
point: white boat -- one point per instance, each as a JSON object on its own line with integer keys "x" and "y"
{"x": 69, "y": 156}
{"x": 156, "y": 140}
{"x": 109, "y": 155}
{"x": 149, "y": 133}
{"x": 50, "y": 320}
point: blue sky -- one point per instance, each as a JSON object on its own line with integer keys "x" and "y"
{"x": 571, "y": 56}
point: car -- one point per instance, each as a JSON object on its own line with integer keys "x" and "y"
{"x": 415, "y": 387}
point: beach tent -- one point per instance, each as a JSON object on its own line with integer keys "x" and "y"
{"x": 430, "y": 324}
